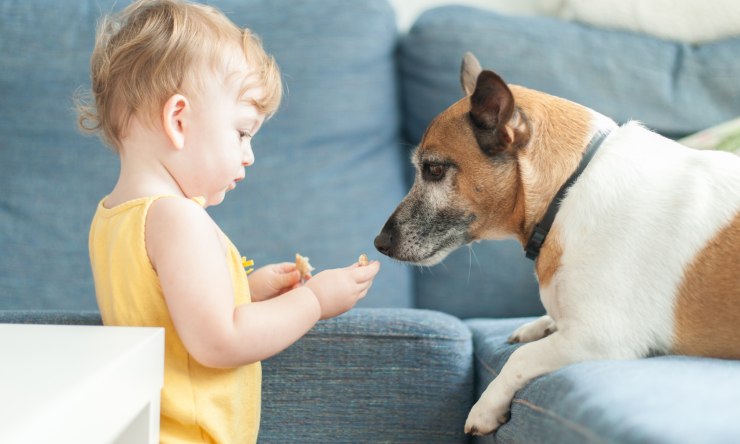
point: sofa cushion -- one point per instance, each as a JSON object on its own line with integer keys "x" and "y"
{"x": 674, "y": 88}
{"x": 372, "y": 375}
{"x": 488, "y": 279}
{"x": 673, "y": 399}
{"x": 52, "y": 317}
{"x": 327, "y": 171}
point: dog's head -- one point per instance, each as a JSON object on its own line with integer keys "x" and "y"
{"x": 475, "y": 171}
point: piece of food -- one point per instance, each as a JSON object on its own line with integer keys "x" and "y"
{"x": 363, "y": 260}
{"x": 303, "y": 266}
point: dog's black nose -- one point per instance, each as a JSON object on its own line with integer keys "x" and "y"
{"x": 384, "y": 242}
{"x": 389, "y": 234}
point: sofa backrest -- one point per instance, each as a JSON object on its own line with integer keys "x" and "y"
{"x": 327, "y": 172}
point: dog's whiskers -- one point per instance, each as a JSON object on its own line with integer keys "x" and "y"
{"x": 470, "y": 261}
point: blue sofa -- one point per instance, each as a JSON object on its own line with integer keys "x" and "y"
{"x": 409, "y": 362}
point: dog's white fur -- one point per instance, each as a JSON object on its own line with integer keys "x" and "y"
{"x": 640, "y": 193}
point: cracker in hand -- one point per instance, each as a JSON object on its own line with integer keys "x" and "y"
{"x": 303, "y": 266}
{"x": 363, "y": 260}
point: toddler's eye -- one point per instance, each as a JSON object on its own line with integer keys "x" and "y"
{"x": 244, "y": 135}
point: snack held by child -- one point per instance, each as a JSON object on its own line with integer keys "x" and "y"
{"x": 363, "y": 260}
{"x": 179, "y": 92}
{"x": 303, "y": 266}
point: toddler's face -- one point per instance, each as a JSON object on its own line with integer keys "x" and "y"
{"x": 220, "y": 136}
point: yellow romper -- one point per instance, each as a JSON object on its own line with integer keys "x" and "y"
{"x": 198, "y": 404}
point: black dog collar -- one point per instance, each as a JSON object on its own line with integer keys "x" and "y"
{"x": 541, "y": 229}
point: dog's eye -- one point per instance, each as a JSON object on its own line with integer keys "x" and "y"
{"x": 434, "y": 171}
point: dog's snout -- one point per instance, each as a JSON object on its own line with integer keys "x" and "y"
{"x": 384, "y": 240}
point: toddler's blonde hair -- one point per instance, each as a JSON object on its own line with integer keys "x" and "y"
{"x": 154, "y": 49}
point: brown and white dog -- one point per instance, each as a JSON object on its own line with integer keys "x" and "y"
{"x": 643, "y": 256}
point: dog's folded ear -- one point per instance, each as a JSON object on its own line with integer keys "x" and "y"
{"x": 492, "y": 109}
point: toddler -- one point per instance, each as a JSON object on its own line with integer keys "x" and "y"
{"x": 179, "y": 92}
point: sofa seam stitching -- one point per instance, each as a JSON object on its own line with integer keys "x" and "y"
{"x": 578, "y": 428}
{"x": 416, "y": 337}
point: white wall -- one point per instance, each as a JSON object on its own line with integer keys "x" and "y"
{"x": 694, "y": 21}
{"x": 408, "y": 10}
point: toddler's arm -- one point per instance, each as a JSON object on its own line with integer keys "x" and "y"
{"x": 185, "y": 248}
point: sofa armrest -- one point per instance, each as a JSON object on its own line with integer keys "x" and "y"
{"x": 372, "y": 375}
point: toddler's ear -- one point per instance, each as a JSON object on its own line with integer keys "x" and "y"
{"x": 173, "y": 119}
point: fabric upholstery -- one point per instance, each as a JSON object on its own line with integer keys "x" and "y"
{"x": 372, "y": 375}
{"x": 656, "y": 400}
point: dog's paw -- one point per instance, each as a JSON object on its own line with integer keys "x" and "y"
{"x": 484, "y": 419}
{"x": 533, "y": 331}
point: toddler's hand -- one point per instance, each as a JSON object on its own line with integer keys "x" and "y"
{"x": 273, "y": 280}
{"x": 339, "y": 289}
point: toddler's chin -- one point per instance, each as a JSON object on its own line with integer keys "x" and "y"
{"x": 217, "y": 198}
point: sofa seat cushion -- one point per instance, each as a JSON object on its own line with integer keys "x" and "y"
{"x": 51, "y": 317}
{"x": 674, "y": 399}
{"x": 372, "y": 375}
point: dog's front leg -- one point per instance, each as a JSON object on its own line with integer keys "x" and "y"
{"x": 526, "y": 363}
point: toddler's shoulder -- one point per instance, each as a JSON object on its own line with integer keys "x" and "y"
{"x": 176, "y": 216}
{"x": 177, "y": 226}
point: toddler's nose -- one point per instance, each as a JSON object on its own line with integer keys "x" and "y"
{"x": 248, "y": 158}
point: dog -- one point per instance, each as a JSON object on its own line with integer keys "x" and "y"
{"x": 636, "y": 238}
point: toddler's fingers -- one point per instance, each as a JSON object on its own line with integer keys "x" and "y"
{"x": 289, "y": 279}
{"x": 366, "y": 272}
{"x": 285, "y": 267}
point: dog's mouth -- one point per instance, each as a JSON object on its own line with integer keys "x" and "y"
{"x": 417, "y": 249}
{"x": 434, "y": 258}
{"x": 428, "y": 260}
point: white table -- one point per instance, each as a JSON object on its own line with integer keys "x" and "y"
{"x": 80, "y": 384}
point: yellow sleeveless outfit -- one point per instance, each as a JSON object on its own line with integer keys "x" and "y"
{"x": 198, "y": 404}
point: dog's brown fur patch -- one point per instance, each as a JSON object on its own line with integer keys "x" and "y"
{"x": 559, "y": 136}
{"x": 548, "y": 261}
{"x": 707, "y": 312}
